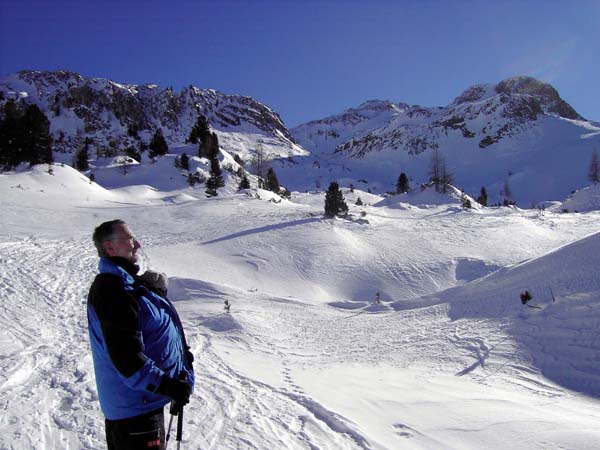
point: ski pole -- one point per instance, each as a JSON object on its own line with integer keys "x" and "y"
{"x": 179, "y": 428}
{"x": 169, "y": 431}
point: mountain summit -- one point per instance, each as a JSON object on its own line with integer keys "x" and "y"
{"x": 517, "y": 136}
{"x": 486, "y": 112}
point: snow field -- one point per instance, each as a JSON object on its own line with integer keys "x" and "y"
{"x": 306, "y": 359}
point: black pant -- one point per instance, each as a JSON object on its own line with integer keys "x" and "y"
{"x": 145, "y": 432}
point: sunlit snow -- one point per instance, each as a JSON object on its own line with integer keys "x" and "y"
{"x": 307, "y": 358}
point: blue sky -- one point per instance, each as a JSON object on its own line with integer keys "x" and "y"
{"x": 310, "y": 59}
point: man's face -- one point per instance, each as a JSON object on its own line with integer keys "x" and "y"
{"x": 122, "y": 244}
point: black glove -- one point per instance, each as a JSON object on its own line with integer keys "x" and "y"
{"x": 178, "y": 390}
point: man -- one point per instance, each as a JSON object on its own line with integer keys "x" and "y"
{"x": 141, "y": 358}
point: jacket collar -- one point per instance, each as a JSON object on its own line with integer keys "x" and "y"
{"x": 120, "y": 267}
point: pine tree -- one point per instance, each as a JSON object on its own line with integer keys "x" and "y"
{"x": 335, "y": 204}
{"x": 209, "y": 146}
{"x": 37, "y": 142}
{"x": 507, "y": 192}
{"x": 359, "y": 202}
{"x": 10, "y": 145}
{"x": 158, "y": 145}
{"x": 402, "y": 185}
{"x": 238, "y": 159}
{"x": 594, "y": 170}
{"x": 215, "y": 180}
{"x": 435, "y": 172}
{"x": 200, "y": 130}
{"x": 259, "y": 166}
{"x": 133, "y": 154}
{"x": 81, "y": 159}
{"x": 244, "y": 182}
{"x": 482, "y": 199}
{"x": 184, "y": 162}
{"x": 271, "y": 182}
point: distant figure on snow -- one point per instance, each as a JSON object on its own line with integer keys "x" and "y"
{"x": 141, "y": 358}
{"x": 227, "y": 306}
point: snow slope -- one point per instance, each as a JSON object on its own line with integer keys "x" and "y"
{"x": 306, "y": 359}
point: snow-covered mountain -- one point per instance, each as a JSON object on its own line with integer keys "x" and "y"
{"x": 518, "y": 131}
{"x": 517, "y": 135}
{"x": 116, "y": 116}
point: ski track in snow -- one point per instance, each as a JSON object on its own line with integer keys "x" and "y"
{"x": 46, "y": 378}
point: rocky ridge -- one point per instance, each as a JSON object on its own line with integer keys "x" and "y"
{"x": 114, "y": 116}
{"x": 485, "y": 113}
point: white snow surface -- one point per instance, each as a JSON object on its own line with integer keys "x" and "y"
{"x": 306, "y": 358}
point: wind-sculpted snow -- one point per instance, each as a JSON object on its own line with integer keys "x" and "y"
{"x": 398, "y": 327}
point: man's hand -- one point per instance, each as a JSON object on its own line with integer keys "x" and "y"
{"x": 178, "y": 390}
{"x": 155, "y": 280}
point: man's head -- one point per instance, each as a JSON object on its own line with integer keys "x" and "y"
{"x": 114, "y": 238}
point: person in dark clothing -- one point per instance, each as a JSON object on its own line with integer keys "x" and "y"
{"x": 141, "y": 358}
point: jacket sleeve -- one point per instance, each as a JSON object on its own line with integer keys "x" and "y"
{"x": 117, "y": 313}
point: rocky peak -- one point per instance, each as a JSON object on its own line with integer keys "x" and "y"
{"x": 518, "y": 91}
{"x": 546, "y": 96}
{"x": 474, "y": 93}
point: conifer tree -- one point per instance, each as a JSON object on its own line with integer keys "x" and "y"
{"x": 507, "y": 192}
{"x": 215, "y": 179}
{"x": 244, "y": 182}
{"x": 335, "y": 204}
{"x": 10, "y": 145}
{"x": 199, "y": 130}
{"x": 209, "y": 145}
{"x": 81, "y": 159}
{"x": 259, "y": 166}
{"x": 482, "y": 199}
{"x": 402, "y": 185}
{"x": 184, "y": 162}
{"x": 594, "y": 170}
{"x": 158, "y": 145}
{"x": 238, "y": 159}
{"x": 271, "y": 182}
{"x": 37, "y": 142}
{"x": 133, "y": 154}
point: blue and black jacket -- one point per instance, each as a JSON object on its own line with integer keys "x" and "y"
{"x": 136, "y": 338}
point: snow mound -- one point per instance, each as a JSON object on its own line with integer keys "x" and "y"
{"x": 584, "y": 200}
{"x": 426, "y": 197}
{"x": 53, "y": 184}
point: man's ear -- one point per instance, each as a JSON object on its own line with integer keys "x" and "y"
{"x": 108, "y": 248}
